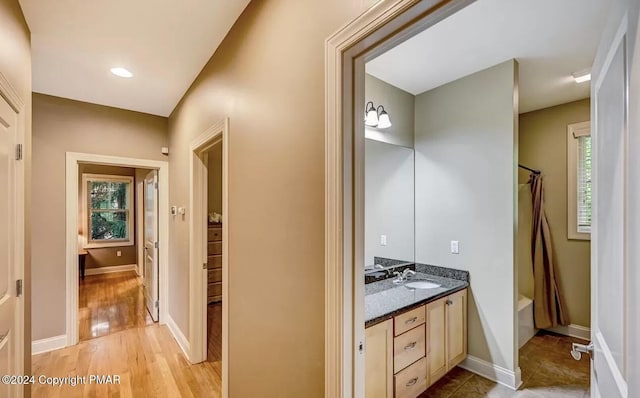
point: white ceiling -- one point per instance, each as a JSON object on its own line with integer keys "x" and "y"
{"x": 551, "y": 39}
{"x": 164, "y": 43}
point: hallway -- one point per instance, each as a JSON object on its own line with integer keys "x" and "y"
{"x": 147, "y": 359}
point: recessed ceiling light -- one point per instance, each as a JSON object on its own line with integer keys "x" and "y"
{"x": 121, "y": 72}
{"x": 582, "y": 76}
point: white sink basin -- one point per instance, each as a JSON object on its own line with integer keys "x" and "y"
{"x": 422, "y": 285}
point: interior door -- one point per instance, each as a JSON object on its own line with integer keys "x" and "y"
{"x": 151, "y": 283}
{"x": 609, "y": 236}
{"x": 10, "y": 335}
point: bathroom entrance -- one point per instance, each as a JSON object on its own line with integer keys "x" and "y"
{"x": 467, "y": 107}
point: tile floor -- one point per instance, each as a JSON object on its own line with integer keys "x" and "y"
{"x": 548, "y": 371}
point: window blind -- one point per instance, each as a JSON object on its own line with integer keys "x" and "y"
{"x": 584, "y": 184}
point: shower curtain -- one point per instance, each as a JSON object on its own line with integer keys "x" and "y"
{"x": 549, "y": 309}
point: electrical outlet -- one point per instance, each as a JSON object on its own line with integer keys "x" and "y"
{"x": 455, "y": 248}
{"x": 119, "y": 253}
{"x": 383, "y": 240}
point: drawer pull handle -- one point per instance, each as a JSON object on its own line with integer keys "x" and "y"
{"x": 410, "y": 346}
{"x": 449, "y": 302}
{"x": 412, "y": 382}
{"x": 412, "y": 320}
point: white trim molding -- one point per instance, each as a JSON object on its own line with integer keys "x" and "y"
{"x": 577, "y": 331}
{"x": 178, "y": 335}
{"x": 198, "y": 274}
{"x": 49, "y": 344}
{"x": 493, "y": 372}
{"x": 112, "y": 269}
{"x": 72, "y": 212}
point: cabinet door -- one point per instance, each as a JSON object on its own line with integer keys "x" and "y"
{"x": 378, "y": 377}
{"x": 456, "y": 328}
{"x": 437, "y": 339}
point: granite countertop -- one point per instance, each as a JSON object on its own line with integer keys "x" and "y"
{"x": 385, "y": 299}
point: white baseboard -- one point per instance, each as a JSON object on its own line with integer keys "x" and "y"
{"x": 493, "y": 372}
{"x": 179, "y": 336}
{"x": 48, "y": 344}
{"x": 577, "y": 331}
{"x": 113, "y": 268}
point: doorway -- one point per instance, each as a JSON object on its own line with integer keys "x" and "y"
{"x": 209, "y": 242}
{"x": 375, "y": 32}
{"x": 102, "y": 209}
{"x": 116, "y": 219}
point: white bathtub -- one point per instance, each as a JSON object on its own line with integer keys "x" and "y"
{"x": 526, "y": 329}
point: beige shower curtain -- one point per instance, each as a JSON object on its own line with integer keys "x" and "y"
{"x": 549, "y": 309}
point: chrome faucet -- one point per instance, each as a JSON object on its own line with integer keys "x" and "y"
{"x": 403, "y": 276}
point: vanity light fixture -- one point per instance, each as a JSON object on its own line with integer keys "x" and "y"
{"x": 582, "y": 76}
{"x": 376, "y": 117}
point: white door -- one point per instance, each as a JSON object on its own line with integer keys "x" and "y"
{"x": 151, "y": 286}
{"x": 10, "y": 332}
{"x": 610, "y": 326}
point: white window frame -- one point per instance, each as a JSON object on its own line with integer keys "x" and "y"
{"x": 87, "y": 242}
{"x": 573, "y": 132}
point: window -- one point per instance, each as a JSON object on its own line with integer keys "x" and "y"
{"x": 107, "y": 216}
{"x": 579, "y": 180}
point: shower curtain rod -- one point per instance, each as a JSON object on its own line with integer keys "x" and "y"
{"x": 534, "y": 171}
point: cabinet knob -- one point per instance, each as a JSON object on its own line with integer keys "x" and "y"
{"x": 449, "y": 302}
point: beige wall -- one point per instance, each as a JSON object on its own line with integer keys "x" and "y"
{"x": 59, "y": 126}
{"x": 15, "y": 66}
{"x": 400, "y": 106}
{"x": 465, "y": 150}
{"x": 268, "y": 78}
{"x": 214, "y": 173}
{"x": 108, "y": 256}
{"x": 543, "y": 145}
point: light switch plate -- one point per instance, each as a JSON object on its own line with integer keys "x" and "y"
{"x": 455, "y": 247}
{"x": 383, "y": 240}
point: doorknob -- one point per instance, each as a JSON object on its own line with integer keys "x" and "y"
{"x": 578, "y": 349}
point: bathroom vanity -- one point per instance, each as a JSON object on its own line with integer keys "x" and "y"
{"x": 414, "y": 335}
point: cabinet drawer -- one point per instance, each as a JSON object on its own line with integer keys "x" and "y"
{"x": 408, "y": 348}
{"x": 214, "y": 275}
{"x": 214, "y": 289}
{"x": 214, "y": 234}
{"x": 408, "y": 320}
{"x": 214, "y": 261}
{"x": 412, "y": 381}
{"x": 214, "y": 248}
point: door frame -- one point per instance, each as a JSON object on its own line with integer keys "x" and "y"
{"x": 22, "y": 345}
{"x": 73, "y": 159}
{"x": 197, "y": 245}
{"x": 383, "y": 26}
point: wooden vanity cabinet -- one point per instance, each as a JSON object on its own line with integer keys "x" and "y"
{"x": 378, "y": 378}
{"x": 446, "y": 334}
{"x": 407, "y": 354}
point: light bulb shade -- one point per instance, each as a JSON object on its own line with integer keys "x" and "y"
{"x": 384, "y": 121}
{"x": 372, "y": 118}
{"x": 370, "y": 115}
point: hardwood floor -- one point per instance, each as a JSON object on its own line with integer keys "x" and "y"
{"x": 147, "y": 359}
{"x": 118, "y": 337}
{"x": 548, "y": 371}
{"x": 110, "y": 303}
